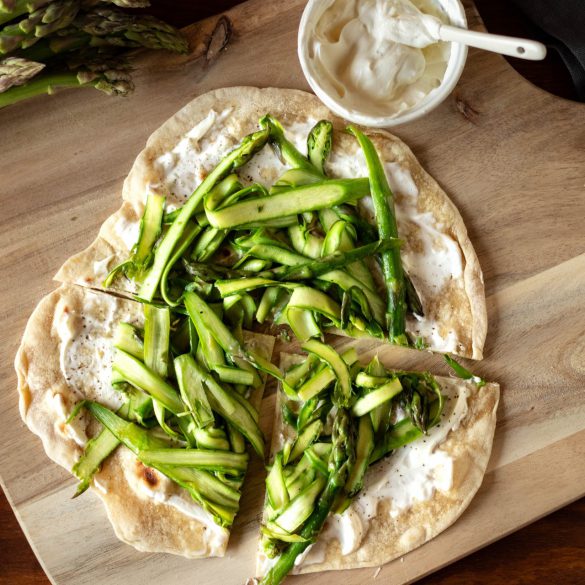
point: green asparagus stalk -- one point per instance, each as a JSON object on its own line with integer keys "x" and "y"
{"x": 320, "y": 266}
{"x": 143, "y": 30}
{"x": 295, "y": 178}
{"x": 319, "y": 144}
{"x": 111, "y": 77}
{"x": 96, "y": 451}
{"x": 385, "y": 218}
{"x": 464, "y": 373}
{"x": 127, "y": 339}
{"x": 340, "y": 460}
{"x": 289, "y": 203}
{"x": 355, "y": 480}
{"x": 222, "y": 461}
{"x": 192, "y": 390}
{"x": 105, "y": 29}
{"x": 137, "y": 374}
{"x": 343, "y": 388}
{"x": 235, "y": 159}
{"x": 286, "y": 149}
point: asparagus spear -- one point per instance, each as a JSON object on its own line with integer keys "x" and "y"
{"x": 110, "y": 76}
{"x": 16, "y": 71}
{"x": 340, "y": 460}
{"x": 222, "y": 461}
{"x": 364, "y": 448}
{"x": 320, "y": 266}
{"x": 343, "y": 390}
{"x": 464, "y": 373}
{"x": 108, "y": 27}
{"x": 400, "y": 434}
{"x": 385, "y": 218}
{"x": 319, "y": 144}
{"x": 192, "y": 391}
{"x": 286, "y": 149}
{"x": 137, "y": 374}
{"x": 96, "y": 451}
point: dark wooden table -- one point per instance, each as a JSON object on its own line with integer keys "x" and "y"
{"x": 550, "y": 551}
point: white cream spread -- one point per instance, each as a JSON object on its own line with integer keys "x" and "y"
{"x": 86, "y": 347}
{"x": 127, "y": 231}
{"x": 197, "y": 153}
{"x": 410, "y": 475}
{"x": 377, "y": 57}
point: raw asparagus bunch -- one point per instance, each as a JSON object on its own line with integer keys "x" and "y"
{"x": 12, "y": 9}
{"x": 49, "y": 34}
{"x": 38, "y": 24}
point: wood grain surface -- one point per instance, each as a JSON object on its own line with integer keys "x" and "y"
{"x": 511, "y": 158}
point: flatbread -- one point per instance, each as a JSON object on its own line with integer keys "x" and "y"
{"x": 65, "y": 356}
{"x": 449, "y": 280}
{"x": 392, "y": 532}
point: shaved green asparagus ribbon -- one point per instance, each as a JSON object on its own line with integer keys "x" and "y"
{"x": 319, "y": 144}
{"x": 289, "y": 203}
{"x": 214, "y": 495}
{"x": 464, "y": 373}
{"x": 319, "y": 266}
{"x": 235, "y": 159}
{"x": 385, "y": 218}
{"x": 343, "y": 392}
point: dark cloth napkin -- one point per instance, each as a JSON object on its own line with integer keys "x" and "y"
{"x": 563, "y": 25}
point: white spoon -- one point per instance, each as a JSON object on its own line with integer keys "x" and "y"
{"x": 403, "y": 22}
{"x": 512, "y": 46}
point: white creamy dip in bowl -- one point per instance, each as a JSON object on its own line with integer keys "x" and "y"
{"x": 359, "y": 72}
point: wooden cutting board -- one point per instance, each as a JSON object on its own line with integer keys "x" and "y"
{"x": 510, "y": 156}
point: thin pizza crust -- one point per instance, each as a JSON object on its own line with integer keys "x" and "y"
{"x": 65, "y": 356}
{"x": 455, "y": 310}
{"x": 389, "y": 534}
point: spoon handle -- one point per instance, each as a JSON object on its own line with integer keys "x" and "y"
{"x": 512, "y": 46}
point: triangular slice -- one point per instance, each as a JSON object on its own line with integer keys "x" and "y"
{"x": 65, "y": 357}
{"x": 416, "y": 487}
{"x": 436, "y": 251}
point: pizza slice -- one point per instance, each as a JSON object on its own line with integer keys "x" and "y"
{"x": 358, "y": 480}
{"x": 217, "y": 197}
{"x": 147, "y": 409}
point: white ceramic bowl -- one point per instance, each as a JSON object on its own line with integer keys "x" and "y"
{"x": 456, "y": 14}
